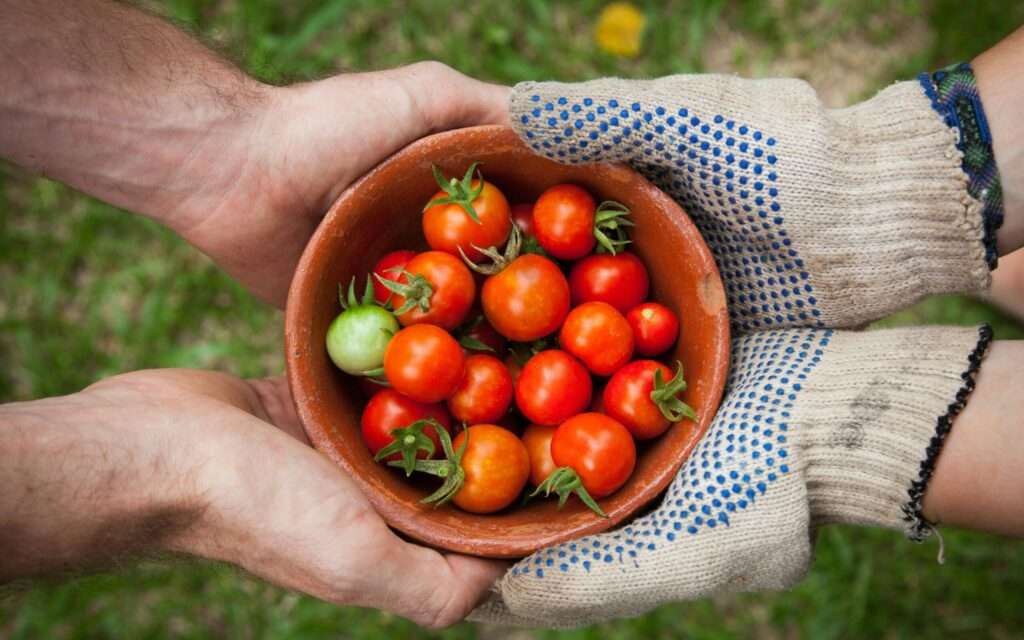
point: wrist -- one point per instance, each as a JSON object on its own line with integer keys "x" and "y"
{"x": 216, "y": 165}
{"x": 999, "y": 84}
{"x": 87, "y": 484}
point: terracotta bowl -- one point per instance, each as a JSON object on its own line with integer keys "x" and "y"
{"x": 380, "y": 213}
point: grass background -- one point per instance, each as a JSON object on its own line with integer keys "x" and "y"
{"x": 88, "y": 291}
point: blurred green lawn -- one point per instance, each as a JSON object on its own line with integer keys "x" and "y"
{"x": 89, "y": 291}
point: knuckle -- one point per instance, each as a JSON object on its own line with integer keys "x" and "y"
{"x": 432, "y": 68}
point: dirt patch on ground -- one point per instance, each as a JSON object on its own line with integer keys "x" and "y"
{"x": 844, "y": 64}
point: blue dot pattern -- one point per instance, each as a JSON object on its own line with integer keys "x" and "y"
{"x": 745, "y": 452}
{"x": 724, "y": 173}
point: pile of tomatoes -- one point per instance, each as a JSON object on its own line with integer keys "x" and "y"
{"x": 452, "y": 368}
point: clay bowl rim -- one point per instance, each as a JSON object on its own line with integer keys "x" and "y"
{"x": 300, "y": 310}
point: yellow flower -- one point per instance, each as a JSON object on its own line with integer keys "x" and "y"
{"x": 619, "y": 28}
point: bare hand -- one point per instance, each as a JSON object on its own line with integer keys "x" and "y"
{"x": 309, "y": 143}
{"x": 192, "y": 462}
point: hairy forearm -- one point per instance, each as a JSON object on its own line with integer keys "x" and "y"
{"x": 123, "y": 106}
{"x": 1000, "y": 76}
{"x": 80, "y": 486}
{"x": 979, "y": 477}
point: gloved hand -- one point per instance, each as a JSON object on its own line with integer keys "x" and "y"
{"x": 818, "y": 219}
{"x": 818, "y": 426}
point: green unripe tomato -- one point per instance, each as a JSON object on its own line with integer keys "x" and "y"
{"x": 357, "y": 338}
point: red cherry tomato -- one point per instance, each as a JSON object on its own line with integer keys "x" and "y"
{"x": 563, "y": 221}
{"x": 654, "y": 326}
{"x": 389, "y": 410}
{"x": 634, "y": 397}
{"x": 448, "y": 227}
{"x": 484, "y": 393}
{"x": 444, "y": 282}
{"x": 496, "y": 465}
{"x": 386, "y": 268}
{"x": 599, "y": 336}
{"x": 537, "y": 439}
{"x": 620, "y": 280}
{"x": 527, "y": 300}
{"x": 424, "y": 362}
{"x": 598, "y": 449}
{"x": 627, "y": 398}
{"x": 522, "y": 217}
{"x": 552, "y": 387}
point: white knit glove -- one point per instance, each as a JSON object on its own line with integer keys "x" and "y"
{"x": 817, "y": 219}
{"x": 817, "y": 427}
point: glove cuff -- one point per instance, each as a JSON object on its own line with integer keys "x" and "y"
{"x": 873, "y": 428}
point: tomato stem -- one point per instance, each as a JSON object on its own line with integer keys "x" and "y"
{"x": 450, "y": 468}
{"x": 349, "y": 301}
{"x": 498, "y": 260}
{"x": 565, "y": 481}
{"x": 666, "y": 396}
{"x": 610, "y": 226}
{"x": 460, "y": 192}
{"x": 408, "y": 442}
{"x": 417, "y": 291}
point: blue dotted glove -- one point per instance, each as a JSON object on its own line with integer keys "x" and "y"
{"x": 817, "y": 427}
{"x": 817, "y": 219}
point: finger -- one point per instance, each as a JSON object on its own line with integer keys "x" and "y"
{"x": 581, "y": 122}
{"x": 432, "y": 589}
{"x": 385, "y": 111}
{"x": 275, "y": 401}
{"x": 479, "y": 574}
{"x": 442, "y": 98}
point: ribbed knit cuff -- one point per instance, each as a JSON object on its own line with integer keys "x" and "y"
{"x": 873, "y": 424}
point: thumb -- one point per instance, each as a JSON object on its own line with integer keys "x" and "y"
{"x": 433, "y": 589}
{"x": 594, "y": 121}
{"x": 441, "y": 98}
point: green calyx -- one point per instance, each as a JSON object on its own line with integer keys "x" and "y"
{"x": 532, "y": 245}
{"x": 449, "y": 469}
{"x": 666, "y": 396}
{"x": 416, "y": 291}
{"x": 498, "y": 260}
{"x": 408, "y": 442}
{"x": 469, "y": 341}
{"x": 460, "y": 192}
{"x": 523, "y": 351}
{"x": 349, "y": 301}
{"x": 473, "y": 344}
{"x": 611, "y": 223}
{"x": 564, "y": 481}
